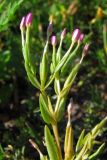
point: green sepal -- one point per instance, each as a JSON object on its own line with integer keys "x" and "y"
{"x": 50, "y": 145}
{"x": 45, "y": 112}
{"x": 80, "y": 141}
{"x": 97, "y": 153}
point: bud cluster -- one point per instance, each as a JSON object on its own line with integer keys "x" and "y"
{"x": 26, "y": 21}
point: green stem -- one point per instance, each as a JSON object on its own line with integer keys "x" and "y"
{"x": 57, "y": 103}
{"x": 56, "y": 134}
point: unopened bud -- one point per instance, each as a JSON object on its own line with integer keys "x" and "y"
{"x": 63, "y": 34}
{"x": 22, "y": 23}
{"x": 53, "y": 40}
{"x": 76, "y": 35}
{"x": 49, "y": 29}
{"x": 70, "y": 105}
{"x": 81, "y": 37}
{"x": 85, "y": 49}
{"x": 29, "y": 18}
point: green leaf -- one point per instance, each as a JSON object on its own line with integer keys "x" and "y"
{"x": 80, "y": 141}
{"x": 44, "y": 67}
{"x": 2, "y": 154}
{"x": 72, "y": 75}
{"x": 50, "y": 144}
{"x": 69, "y": 60}
{"x": 43, "y": 157}
{"x": 31, "y": 76}
{"x": 65, "y": 90}
{"x": 43, "y": 71}
{"x": 46, "y": 114}
{"x": 60, "y": 111}
{"x": 98, "y": 127}
{"x": 64, "y": 58}
{"x": 7, "y": 12}
{"x": 97, "y": 153}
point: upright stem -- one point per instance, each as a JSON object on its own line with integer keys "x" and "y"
{"x": 56, "y": 134}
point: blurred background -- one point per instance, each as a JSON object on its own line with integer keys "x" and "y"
{"x": 20, "y": 117}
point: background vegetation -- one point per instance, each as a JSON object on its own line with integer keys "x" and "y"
{"x": 19, "y": 111}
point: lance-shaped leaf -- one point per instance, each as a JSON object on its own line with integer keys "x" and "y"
{"x": 45, "y": 112}
{"x": 44, "y": 67}
{"x": 69, "y": 60}
{"x": 68, "y": 144}
{"x": 63, "y": 60}
{"x": 57, "y": 86}
{"x": 50, "y": 145}
{"x": 80, "y": 141}
{"x": 70, "y": 79}
{"x": 58, "y": 54}
{"x": 31, "y": 76}
{"x": 72, "y": 75}
{"x": 97, "y": 153}
{"x": 50, "y": 106}
{"x": 60, "y": 110}
{"x": 98, "y": 127}
{"x": 90, "y": 141}
{"x": 29, "y": 64}
{"x": 43, "y": 158}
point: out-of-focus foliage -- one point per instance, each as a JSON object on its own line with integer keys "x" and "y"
{"x": 7, "y": 11}
{"x": 19, "y": 113}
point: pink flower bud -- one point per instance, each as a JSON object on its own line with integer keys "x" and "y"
{"x": 53, "y": 40}
{"x": 76, "y": 35}
{"x": 22, "y": 23}
{"x": 85, "y": 49}
{"x": 63, "y": 34}
{"x": 29, "y": 18}
{"x": 49, "y": 29}
{"x": 81, "y": 37}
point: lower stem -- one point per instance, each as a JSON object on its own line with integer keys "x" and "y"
{"x": 56, "y": 134}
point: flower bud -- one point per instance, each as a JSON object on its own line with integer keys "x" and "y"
{"x": 29, "y": 18}
{"x": 81, "y": 37}
{"x": 22, "y": 23}
{"x": 63, "y": 34}
{"x": 70, "y": 105}
{"x": 85, "y": 49}
{"x": 76, "y": 35}
{"x": 53, "y": 40}
{"x": 49, "y": 29}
